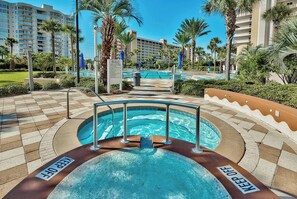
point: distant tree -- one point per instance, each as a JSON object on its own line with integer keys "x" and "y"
{"x": 229, "y": 9}
{"x": 200, "y": 52}
{"x": 42, "y": 61}
{"x": 214, "y": 43}
{"x": 3, "y": 51}
{"x": 182, "y": 39}
{"x": 64, "y": 62}
{"x": 9, "y": 42}
{"x": 52, "y": 27}
{"x": 126, "y": 39}
{"x": 194, "y": 28}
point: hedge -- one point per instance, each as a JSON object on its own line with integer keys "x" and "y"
{"x": 283, "y": 94}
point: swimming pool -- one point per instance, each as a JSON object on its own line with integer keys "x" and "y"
{"x": 152, "y": 74}
{"x": 140, "y": 173}
{"x": 146, "y": 74}
{"x": 148, "y": 122}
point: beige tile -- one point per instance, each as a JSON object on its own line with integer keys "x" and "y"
{"x": 288, "y": 161}
{"x": 13, "y": 173}
{"x": 273, "y": 140}
{"x": 257, "y": 135}
{"x": 12, "y": 162}
{"x": 32, "y": 166}
{"x": 285, "y": 180}
{"x": 11, "y": 153}
{"x": 265, "y": 171}
{"x": 31, "y": 140}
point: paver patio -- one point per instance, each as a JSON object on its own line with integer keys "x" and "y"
{"x": 28, "y": 125}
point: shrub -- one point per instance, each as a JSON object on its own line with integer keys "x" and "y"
{"x": 37, "y": 86}
{"x": 90, "y": 84}
{"x": 283, "y": 94}
{"x": 16, "y": 89}
{"x": 127, "y": 85}
{"x": 51, "y": 86}
{"x": 67, "y": 81}
{"x": 45, "y": 75}
{"x": 4, "y": 91}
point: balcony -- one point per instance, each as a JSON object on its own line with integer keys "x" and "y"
{"x": 242, "y": 34}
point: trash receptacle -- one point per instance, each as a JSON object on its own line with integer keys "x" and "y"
{"x": 136, "y": 78}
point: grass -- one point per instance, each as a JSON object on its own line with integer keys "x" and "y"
{"x": 13, "y": 77}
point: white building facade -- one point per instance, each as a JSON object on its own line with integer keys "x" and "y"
{"x": 252, "y": 28}
{"x": 21, "y": 21}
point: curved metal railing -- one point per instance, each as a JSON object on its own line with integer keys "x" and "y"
{"x": 68, "y": 106}
{"x": 95, "y": 145}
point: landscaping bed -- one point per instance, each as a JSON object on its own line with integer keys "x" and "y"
{"x": 283, "y": 94}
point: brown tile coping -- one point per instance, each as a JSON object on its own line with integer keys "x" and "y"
{"x": 66, "y": 137}
{"x": 32, "y": 187}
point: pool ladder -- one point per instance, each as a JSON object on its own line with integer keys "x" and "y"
{"x": 68, "y": 99}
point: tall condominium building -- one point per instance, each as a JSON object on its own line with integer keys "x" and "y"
{"x": 21, "y": 21}
{"x": 145, "y": 47}
{"x": 252, "y": 28}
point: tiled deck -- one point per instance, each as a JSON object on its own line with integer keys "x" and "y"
{"x": 29, "y": 123}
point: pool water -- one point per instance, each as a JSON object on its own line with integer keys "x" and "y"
{"x": 148, "y": 122}
{"x": 140, "y": 173}
{"x": 146, "y": 74}
{"x": 152, "y": 74}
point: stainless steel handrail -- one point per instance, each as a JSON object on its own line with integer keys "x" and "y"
{"x": 95, "y": 145}
{"x": 68, "y": 116}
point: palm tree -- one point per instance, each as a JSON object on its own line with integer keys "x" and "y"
{"x": 214, "y": 44}
{"x": 120, "y": 27}
{"x": 277, "y": 14}
{"x": 109, "y": 11}
{"x": 182, "y": 38}
{"x": 52, "y": 27}
{"x": 284, "y": 47}
{"x": 3, "y": 51}
{"x": 221, "y": 56}
{"x": 126, "y": 39}
{"x": 9, "y": 41}
{"x": 200, "y": 52}
{"x": 194, "y": 28}
{"x": 71, "y": 31}
{"x": 229, "y": 9}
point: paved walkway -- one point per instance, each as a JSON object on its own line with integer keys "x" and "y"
{"x": 27, "y": 120}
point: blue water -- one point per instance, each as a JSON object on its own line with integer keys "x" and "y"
{"x": 146, "y": 74}
{"x": 151, "y": 121}
{"x": 140, "y": 173}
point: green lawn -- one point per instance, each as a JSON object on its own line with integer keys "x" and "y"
{"x": 13, "y": 77}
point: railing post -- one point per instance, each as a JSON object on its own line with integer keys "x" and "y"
{"x": 68, "y": 117}
{"x": 125, "y": 140}
{"x": 197, "y": 148}
{"x": 167, "y": 141}
{"x": 95, "y": 141}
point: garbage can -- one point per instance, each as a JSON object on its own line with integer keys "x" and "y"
{"x": 136, "y": 78}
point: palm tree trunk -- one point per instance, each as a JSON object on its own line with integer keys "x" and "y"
{"x": 126, "y": 48}
{"x": 230, "y": 18}
{"x": 107, "y": 39}
{"x": 11, "y": 48}
{"x": 53, "y": 52}
{"x": 193, "y": 52}
{"x": 215, "y": 64}
{"x": 72, "y": 51}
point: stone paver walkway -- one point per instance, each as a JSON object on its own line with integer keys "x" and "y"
{"x": 28, "y": 124}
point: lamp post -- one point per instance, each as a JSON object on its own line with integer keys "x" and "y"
{"x": 77, "y": 44}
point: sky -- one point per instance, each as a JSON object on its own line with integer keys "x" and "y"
{"x": 161, "y": 20}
